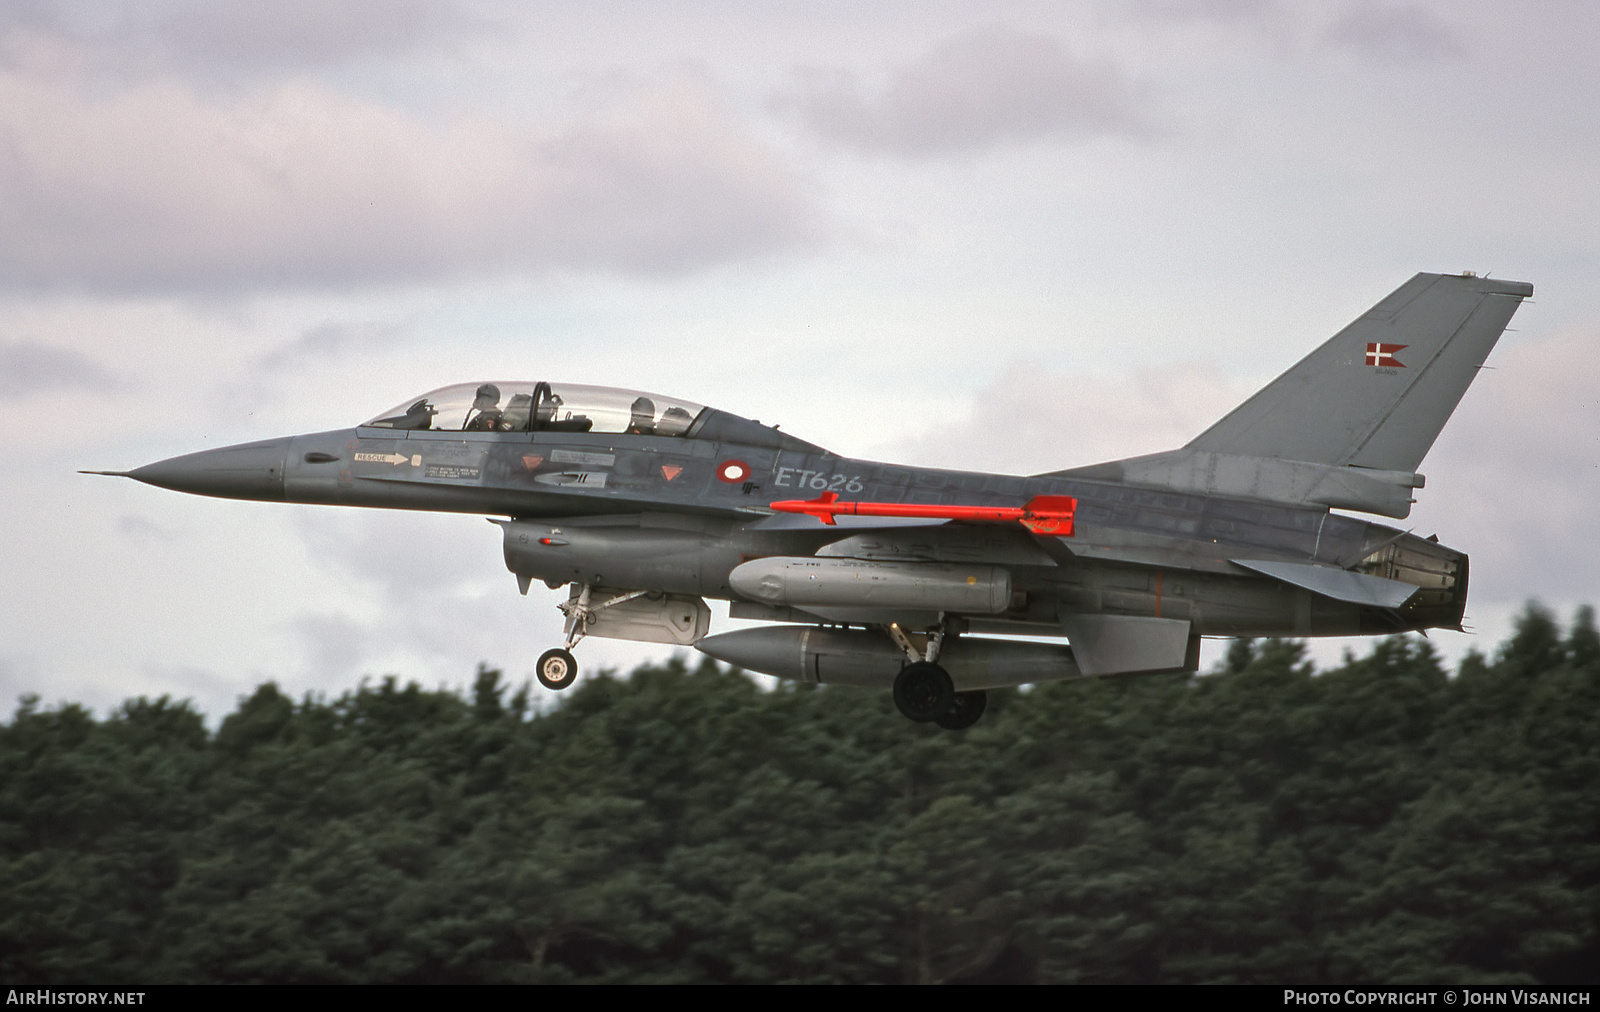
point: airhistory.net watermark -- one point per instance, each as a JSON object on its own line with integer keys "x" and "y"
{"x": 48, "y": 996}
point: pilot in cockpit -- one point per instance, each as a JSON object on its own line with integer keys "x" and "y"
{"x": 643, "y": 420}
{"x": 485, "y": 414}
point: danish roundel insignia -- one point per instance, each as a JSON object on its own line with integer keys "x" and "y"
{"x": 733, "y": 471}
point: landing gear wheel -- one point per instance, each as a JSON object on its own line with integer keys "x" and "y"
{"x": 557, "y": 669}
{"x": 923, "y": 691}
{"x": 964, "y": 711}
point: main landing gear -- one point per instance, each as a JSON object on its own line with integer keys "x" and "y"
{"x": 923, "y": 691}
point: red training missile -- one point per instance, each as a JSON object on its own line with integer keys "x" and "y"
{"x": 1044, "y": 514}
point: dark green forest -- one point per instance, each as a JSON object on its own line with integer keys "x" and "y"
{"x": 1385, "y": 820}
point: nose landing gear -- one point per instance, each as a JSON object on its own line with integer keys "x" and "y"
{"x": 557, "y": 669}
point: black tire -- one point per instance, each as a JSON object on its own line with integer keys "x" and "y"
{"x": 923, "y": 691}
{"x": 557, "y": 669}
{"x": 964, "y": 711}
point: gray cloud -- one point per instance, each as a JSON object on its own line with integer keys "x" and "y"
{"x": 331, "y": 341}
{"x": 28, "y": 368}
{"x": 1031, "y": 420}
{"x": 296, "y": 32}
{"x": 334, "y": 644}
{"x": 154, "y": 188}
{"x": 20, "y": 675}
{"x": 1516, "y": 472}
{"x": 234, "y": 38}
{"x": 1394, "y": 33}
{"x": 137, "y": 528}
{"x": 977, "y": 89}
{"x": 411, "y": 559}
{"x": 1224, "y": 11}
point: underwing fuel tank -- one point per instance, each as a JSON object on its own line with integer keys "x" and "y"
{"x": 869, "y": 659}
{"x": 849, "y": 583}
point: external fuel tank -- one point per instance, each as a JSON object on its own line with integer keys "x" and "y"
{"x": 844, "y": 583}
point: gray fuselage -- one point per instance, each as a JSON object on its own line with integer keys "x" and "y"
{"x": 677, "y": 514}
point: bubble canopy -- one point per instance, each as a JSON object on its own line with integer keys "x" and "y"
{"x": 532, "y": 406}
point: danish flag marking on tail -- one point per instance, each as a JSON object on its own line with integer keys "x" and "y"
{"x": 1384, "y": 355}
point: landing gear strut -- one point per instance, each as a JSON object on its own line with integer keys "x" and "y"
{"x": 923, "y": 691}
{"x": 558, "y": 668}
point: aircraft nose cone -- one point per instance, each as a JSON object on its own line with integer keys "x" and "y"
{"x": 246, "y": 471}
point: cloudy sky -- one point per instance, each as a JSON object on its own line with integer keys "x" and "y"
{"x": 1022, "y": 237}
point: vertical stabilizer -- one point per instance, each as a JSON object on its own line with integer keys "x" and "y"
{"x": 1377, "y": 394}
{"x": 1348, "y": 424}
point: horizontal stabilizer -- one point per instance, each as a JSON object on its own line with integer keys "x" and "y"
{"x": 1339, "y": 584}
{"x": 1125, "y": 644}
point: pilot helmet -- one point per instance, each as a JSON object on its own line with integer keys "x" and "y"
{"x": 488, "y": 397}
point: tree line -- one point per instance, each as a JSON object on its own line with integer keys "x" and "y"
{"x": 1383, "y": 820}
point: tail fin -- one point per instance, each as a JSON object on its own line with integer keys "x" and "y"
{"x": 1377, "y": 393}
{"x": 1348, "y": 424}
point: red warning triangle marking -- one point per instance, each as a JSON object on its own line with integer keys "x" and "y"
{"x": 531, "y": 461}
{"x": 670, "y": 471}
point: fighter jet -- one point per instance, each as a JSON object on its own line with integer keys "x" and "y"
{"x": 919, "y": 580}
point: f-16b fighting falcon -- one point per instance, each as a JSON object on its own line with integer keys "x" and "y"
{"x": 912, "y": 579}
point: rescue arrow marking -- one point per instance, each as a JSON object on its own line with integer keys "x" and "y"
{"x": 385, "y": 458}
{"x": 1044, "y": 514}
